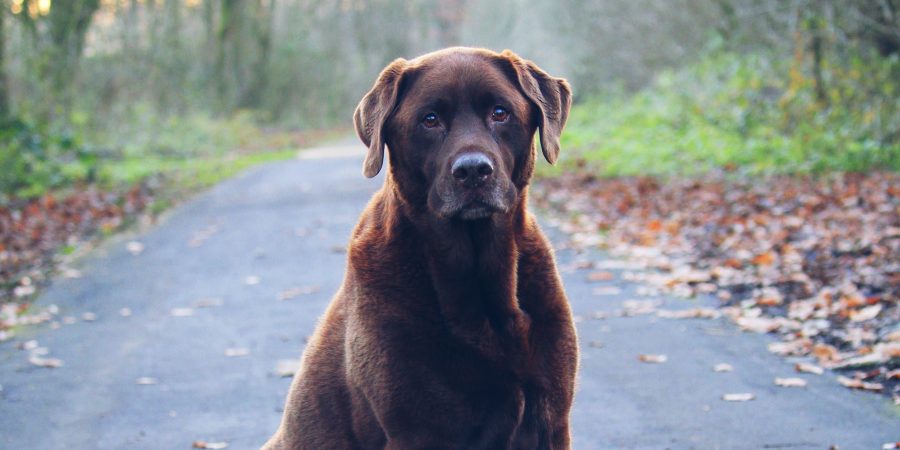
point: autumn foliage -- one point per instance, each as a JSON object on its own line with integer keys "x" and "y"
{"x": 814, "y": 259}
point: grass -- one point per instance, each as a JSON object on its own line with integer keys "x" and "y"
{"x": 190, "y": 152}
{"x": 746, "y": 113}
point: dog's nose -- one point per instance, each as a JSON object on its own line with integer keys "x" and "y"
{"x": 472, "y": 169}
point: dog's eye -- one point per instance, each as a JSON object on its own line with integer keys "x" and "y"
{"x": 500, "y": 114}
{"x": 430, "y": 120}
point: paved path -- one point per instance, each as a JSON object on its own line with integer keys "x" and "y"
{"x": 286, "y": 224}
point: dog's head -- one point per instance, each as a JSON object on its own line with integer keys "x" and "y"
{"x": 459, "y": 125}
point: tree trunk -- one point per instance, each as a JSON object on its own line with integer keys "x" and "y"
{"x": 4, "y": 86}
{"x": 251, "y": 95}
{"x": 68, "y": 24}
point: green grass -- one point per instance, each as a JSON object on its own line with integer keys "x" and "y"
{"x": 188, "y": 152}
{"x": 744, "y": 113}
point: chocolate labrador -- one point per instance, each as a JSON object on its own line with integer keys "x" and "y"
{"x": 451, "y": 329}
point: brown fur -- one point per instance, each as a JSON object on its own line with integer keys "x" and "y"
{"x": 446, "y": 333}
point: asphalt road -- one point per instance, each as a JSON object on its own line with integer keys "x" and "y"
{"x": 283, "y": 226}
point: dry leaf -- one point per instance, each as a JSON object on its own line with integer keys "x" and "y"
{"x": 288, "y": 294}
{"x": 182, "y": 312}
{"x": 738, "y": 397}
{"x": 764, "y": 259}
{"x": 208, "y": 302}
{"x": 237, "y": 351}
{"x": 51, "y": 363}
{"x": 209, "y": 445}
{"x": 826, "y": 354}
{"x": 287, "y": 367}
{"x": 723, "y": 367}
{"x": 797, "y": 347}
{"x": 893, "y": 336}
{"x": 758, "y": 324}
{"x": 790, "y": 382}
{"x": 134, "y": 247}
{"x": 601, "y": 276}
{"x": 653, "y": 359}
{"x": 859, "y": 384}
{"x": 694, "y": 313}
{"x": 639, "y": 307}
{"x": 867, "y": 313}
{"x": 809, "y": 368}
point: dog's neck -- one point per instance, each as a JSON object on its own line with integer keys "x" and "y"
{"x": 473, "y": 269}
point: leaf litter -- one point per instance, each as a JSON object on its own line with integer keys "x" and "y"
{"x": 814, "y": 260}
{"x": 32, "y": 233}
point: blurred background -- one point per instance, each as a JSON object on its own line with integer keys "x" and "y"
{"x": 88, "y": 86}
{"x": 136, "y": 102}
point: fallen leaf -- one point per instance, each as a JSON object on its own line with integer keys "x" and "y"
{"x": 653, "y": 359}
{"x": 134, "y": 247}
{"x": 867, "y": 313}
{"x": 790, "y": 382}
{"x": 639, "y": 307}
{"x": 758, "y": 324}
{"x": 723, "y": 367}
{"x": 293, "y": 292}
{"x": 209, "y": 445}
{"x": 287, "y": 367}
{"x": 601, "y": 276}
{"x": 693, "y": 313}
{"x": 24, "y": 291}
{"x": 738, "y": 397}
{"x": 146, "y": 381}
{"x": 809, "y": 368}
{"x": 797, "y": 347}
{"x": 39, "y": 361}
{"x": 893, "y": 336}
{"x": 71, "y": 273}
{"x": 764, "y": 259}
{"x": 859, "y": 384}
{"x": 237, "y": 351}
{"x": 826, "y": 354}
{"x": 208, "y": 302}
{"x": 182, "y": 312}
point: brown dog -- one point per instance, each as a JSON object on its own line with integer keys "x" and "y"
{"x": 451, "y": 329}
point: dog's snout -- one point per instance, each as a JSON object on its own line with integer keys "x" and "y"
{"x": 472, "y": 169}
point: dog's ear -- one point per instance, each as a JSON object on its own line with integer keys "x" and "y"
{"x": 373, "y": 112}
{"x": 551, "y": 95}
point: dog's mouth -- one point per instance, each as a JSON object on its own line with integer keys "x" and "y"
{"x": 475, "y": 211}
{"x": 470, "y": 205}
